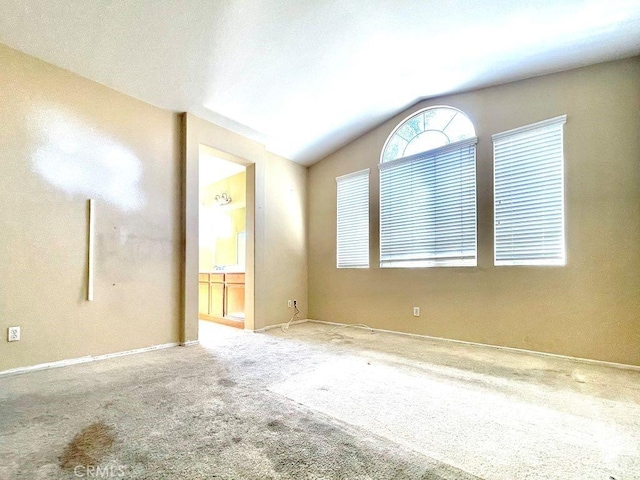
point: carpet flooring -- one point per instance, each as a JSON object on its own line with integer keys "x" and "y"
{"x": 317, "y": 402}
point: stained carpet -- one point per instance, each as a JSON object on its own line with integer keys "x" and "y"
{"x": 321, "y": 403}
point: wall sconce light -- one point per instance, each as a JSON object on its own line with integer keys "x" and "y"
{"x": 223, "y": 199}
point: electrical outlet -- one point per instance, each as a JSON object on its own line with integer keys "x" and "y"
{"x": 295, "y": 303}
{"x": 289, "y": 304}
{"x": 416, "y": 311}
{"x": 13, "y": 334}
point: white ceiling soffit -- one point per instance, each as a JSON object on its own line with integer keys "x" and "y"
{"x": 213, "y": 169}
{"x": 306, "y": 77}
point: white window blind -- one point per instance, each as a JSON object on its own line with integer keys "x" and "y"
{"x": 428, "y": 208}
{"x": 353, "y": 220}
{"x": 529, "y": 194}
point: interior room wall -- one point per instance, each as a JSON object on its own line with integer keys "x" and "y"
{"x": 65, "y": 139}
{"x": 590, "y": 308}
{"x": 286, "y": 240}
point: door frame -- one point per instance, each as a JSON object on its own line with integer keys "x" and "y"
{"x": 227, "y": 145}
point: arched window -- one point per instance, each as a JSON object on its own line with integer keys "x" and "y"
{"x": 428, "y": 191}
{"x": 425, "y": 130}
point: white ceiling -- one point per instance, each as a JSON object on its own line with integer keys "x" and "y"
{"x": 306, "y": 77}
{"x": 213, "y": 169}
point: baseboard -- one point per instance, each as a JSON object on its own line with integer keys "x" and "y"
{"x": 623, "y": 366}
{"x": 278, "y": 325}
{"x": 190, "y": 343}
{"x": 87, "y": 359}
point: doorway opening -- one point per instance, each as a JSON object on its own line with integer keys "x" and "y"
{"x": 222, "y": 241}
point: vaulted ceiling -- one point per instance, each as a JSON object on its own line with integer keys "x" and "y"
{"x": 307, "y": 76}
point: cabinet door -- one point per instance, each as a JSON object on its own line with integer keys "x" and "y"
{"x": 216, "y": 304}
{"x": 235, "y": 300}
{"x": 203, "y": 298}
{"x": 234, "y": 278}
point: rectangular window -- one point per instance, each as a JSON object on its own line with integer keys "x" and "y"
{"x": 353, "y": 220}
{"x": 428, "y": 208}
{"x": 529, "y": 194}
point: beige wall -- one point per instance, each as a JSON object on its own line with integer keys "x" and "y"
{"x": 285, "y": 239}
{"x": 63, "y": 140}
{"x": 590, "y": 308}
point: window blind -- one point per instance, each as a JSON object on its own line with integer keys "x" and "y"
{"x": 428, "y": 208}
{"x": 353, "y": 220}
{"x": 529, "y": 194}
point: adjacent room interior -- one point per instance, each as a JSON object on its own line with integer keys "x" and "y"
{"x": 312, "y": 240}
{"x": 222, "y": 239}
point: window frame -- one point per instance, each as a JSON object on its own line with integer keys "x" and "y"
{"x": 365, "y": 173}
{"x": 415, "y": 114}
{"x": 438, "y": 262}
{"x": 469, "y": 141}
{"x": 558, "y": 121}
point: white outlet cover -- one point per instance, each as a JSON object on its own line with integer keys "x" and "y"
{"x": 13, "y": 334}
{"x": 416, "y": 311}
